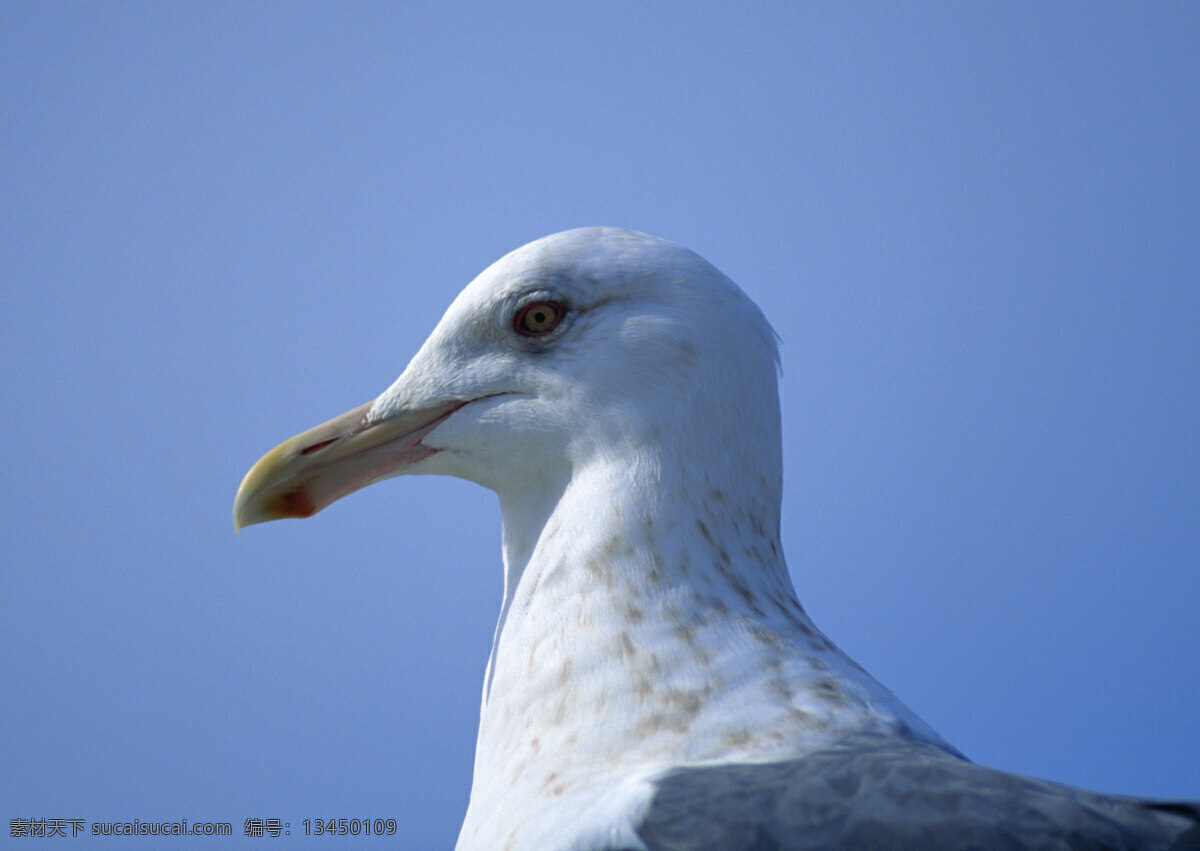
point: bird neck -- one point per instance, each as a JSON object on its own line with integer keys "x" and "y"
{"x": 633, "y": 594}
{"x": 650, "y": 622}
{"x": 644, "y": 531}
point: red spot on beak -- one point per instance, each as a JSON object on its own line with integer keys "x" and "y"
{"x": 296, "y": 504}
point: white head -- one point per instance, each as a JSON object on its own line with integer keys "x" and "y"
{"x": 586, "y": 346}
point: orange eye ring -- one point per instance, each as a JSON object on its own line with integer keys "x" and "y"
{"x": 538, "y": 318}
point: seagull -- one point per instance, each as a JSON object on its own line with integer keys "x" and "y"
{"x": 654, "y": 682}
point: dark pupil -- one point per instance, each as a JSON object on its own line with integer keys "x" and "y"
{"x": 540, "y": 317}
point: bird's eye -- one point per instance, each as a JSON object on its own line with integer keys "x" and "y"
{"x": 538, "y": 318}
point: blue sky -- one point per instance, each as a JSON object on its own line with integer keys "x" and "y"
{"x": 974, "y": 227}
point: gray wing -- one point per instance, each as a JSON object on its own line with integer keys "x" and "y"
{"x": 875, "y": 792}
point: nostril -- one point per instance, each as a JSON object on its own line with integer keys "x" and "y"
{"x": 317, "y": 446}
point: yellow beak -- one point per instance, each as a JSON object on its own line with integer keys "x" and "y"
{"x": 302, "y": 475}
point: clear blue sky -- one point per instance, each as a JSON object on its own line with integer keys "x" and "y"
{"x": 976, "y": 228}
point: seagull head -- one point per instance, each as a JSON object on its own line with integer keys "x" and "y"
{"x": 585, "y": 347}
